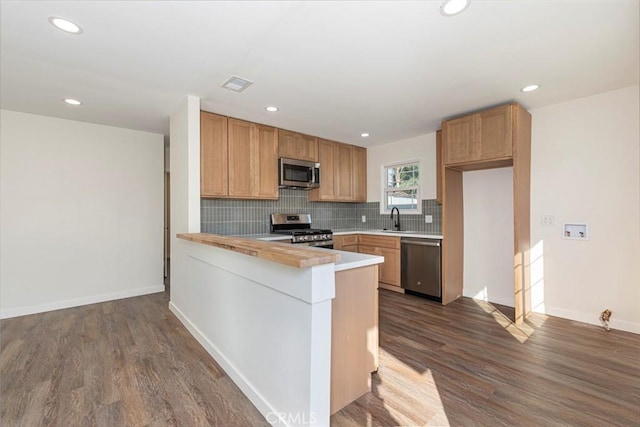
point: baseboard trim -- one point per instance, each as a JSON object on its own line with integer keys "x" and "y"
{"x": 76, "y": 302}
{"x": 243, "y": 384}
{"x": 591, "y": 319}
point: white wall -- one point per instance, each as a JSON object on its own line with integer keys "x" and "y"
{"x": 488, "y": 235}
{"x": 585, "y": 168}
{"x": 422, "y": 148}
{"x": 81, "y": 213}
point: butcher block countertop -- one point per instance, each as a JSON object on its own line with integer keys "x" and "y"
{"x": 281, "y": 253}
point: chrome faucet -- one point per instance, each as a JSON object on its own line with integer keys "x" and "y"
{"x": 396, "y": 225}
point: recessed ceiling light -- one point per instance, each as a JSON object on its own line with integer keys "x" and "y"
{"x": 454, "y": 7}
{"x": 72, "y": 101}
{"x": 364, "y": 135}
{"x": 65, "y": 25}
{"x": 530, "y": 88}
{"x": 236, "y": 84}
{"x": 271, "y": 108}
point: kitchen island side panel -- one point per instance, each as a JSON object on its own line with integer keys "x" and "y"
{"x": 268, "y": 325}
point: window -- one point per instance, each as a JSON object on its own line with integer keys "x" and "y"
{"x": 401, "y": 187}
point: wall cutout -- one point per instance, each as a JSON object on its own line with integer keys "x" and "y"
{"x": 575, "y": 231}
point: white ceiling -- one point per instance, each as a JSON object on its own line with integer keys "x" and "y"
{"x": 394, "y": 69}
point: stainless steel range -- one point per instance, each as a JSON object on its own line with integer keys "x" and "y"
{"x": 298, "y": 226}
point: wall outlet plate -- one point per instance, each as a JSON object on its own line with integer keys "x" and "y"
{"x": 364, "y": 218}
{"x": 428, "y": 219}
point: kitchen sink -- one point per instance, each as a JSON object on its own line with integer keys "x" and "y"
{"x": 401, "y": 232}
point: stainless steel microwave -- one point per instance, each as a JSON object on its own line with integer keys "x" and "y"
{"x": 298, "y": 174}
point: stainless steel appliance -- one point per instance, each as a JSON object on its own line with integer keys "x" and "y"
{"x": 421, "y": 267}
{"x": 298, "y": 226}
{"x": 298, "y": 174}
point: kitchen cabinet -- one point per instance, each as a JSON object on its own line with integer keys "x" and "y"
{"x": 496, "y": 137}
{"x": 359, "y": 173}
{"x": 214, "y": 167}
{"x": 347, "y": 242}
{"x": 389, "y": 248}
{"x": 239, "y": 159}
{"x": 342, "y": 173}
{"x": 439, "y": 166}
{"x": 298, "y": 146}
{"x": 480, "y": 137}
{"x": 253, "y": 160}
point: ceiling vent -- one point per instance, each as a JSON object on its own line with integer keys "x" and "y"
{"x": 236, "y": 84}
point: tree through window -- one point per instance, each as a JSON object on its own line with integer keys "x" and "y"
{"x": 401, "y": 187}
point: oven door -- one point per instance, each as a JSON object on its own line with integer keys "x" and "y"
{"x": 298, "y": 173}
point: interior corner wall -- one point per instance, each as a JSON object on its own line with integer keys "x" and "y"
{"x": 81, "y": 213}
{"x": 421, "y": 147}
{"x": 585, "y": 168}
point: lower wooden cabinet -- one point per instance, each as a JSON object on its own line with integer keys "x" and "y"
{"x": 387, "y": 247}
{"x": 347, "y": 242}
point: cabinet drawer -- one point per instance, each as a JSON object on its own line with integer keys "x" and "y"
{"x": 380, "y": 241}
{"x": 349, "y": 239}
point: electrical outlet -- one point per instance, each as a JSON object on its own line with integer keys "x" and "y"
{"x": 546, "y": 220}
{"x": 364, "y": 218}
{"x": 428, "y": 219}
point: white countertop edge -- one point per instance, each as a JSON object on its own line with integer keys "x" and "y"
{"x": 351, "y": 260}
{"x": 382, "y": 233}
{"x": 274, "y": 237}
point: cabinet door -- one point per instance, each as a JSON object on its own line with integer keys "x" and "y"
{"x": 241, "y": 159}
{"x": 496, "y": 133}
{"x": 338, "y": 242}
{"x": 460, "y": 138}
{"x": 213, "y": 155}
{"x": 439, "y": 166}
{"x": 326, "y": 156}
{"x": 295, "y": 145}
{"x": 359, "y": 174}
{"x": 350, "y": 248}
{"x": 265, "y": 166}
{"x": 390, "y": 272}
{"x": 343, "y": 164}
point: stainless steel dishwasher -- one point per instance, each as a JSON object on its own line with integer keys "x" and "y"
{"x": 421, "y": 267}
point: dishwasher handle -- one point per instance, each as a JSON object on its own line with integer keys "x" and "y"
{"x": 419, "y": 243}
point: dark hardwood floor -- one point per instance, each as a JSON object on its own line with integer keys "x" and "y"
{"x": 130, "y": 362}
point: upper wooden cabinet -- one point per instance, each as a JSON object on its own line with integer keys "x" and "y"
{"x": 238, "y": 159}
{"x": 359, "y": 173}
{"x": 439, "y": 166}
{"x": 298, "y": 146}
{"x": 343, "y": 173}
{"x": 486, "y": 136}
{"x": 214, "y": 167}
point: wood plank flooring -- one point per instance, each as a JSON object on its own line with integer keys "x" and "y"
{"x": 128, "y": 362}
{"x": 131, "y": 363}
{"x": 467, "y": 365}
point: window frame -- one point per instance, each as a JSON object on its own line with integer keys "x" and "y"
{"x": 384, "y": 190}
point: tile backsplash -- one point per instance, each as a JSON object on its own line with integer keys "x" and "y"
{"x": 233, "y": 217}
